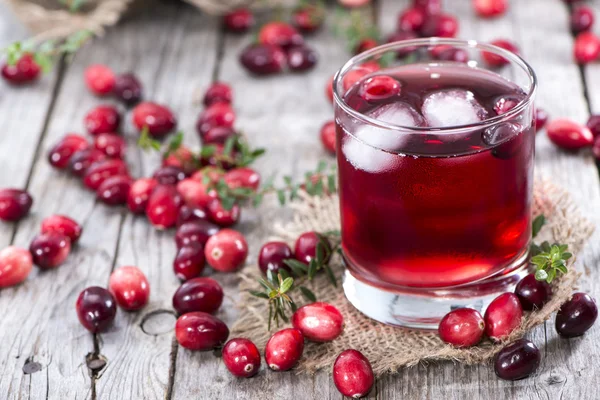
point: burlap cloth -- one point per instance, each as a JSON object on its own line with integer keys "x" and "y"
{"x": 390, "y": 348}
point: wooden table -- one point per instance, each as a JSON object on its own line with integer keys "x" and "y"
{"x": 176, "y": 51}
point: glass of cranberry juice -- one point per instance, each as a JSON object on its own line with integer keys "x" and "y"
{"x": 435, "y": 161}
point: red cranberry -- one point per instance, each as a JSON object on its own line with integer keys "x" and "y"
{"x": 241, "y": 357}
{"x": 218, "y": 114}
{"x": 379, "y": 87}
{"x": 102, "y": 119}
{"x": 490, "y": 8}
{"x": 440, "y": 25}
{"x": 217, "y": 135}
{"x": 279, "y": 34}
{"x": 213, "y": 174}
{"x": 96, "y": 309}
{"x": 114, "y": 191}
{"x": 506, "y": 103}
{"x": 128, "y": 89}
{"x": 308, "y": 18}
{"x": 319, "y": 322}
{"x": 15, "y": 266}
{"x": 130, "y": 288}
{"x": 261, "y": 59}
{"x": 158, "y": 118}
{"x": 139, "y": 193}
{"x": 23, "y": 71}
{"x": 411, "y": 20}
{"x": 200, "y": 331}
{"x": 541, "y": 117}
{"x": 110, "y": 144}
{"x": 198, "y": 294}
{"x": 352, "y": 374}
{"x": 102, "y": 170}
{"x": 593, "y": 125}
{"x": 462, "y": 327}
{"x": 100, "y": 79}
{"x": 272, "y": 255}
{"x": 169, "y": 175}
{"x": 284, "y": 349}
{"x": 306, "y": 246}
{"x": 182, "y": 158}
{"x": 329, "y": 89}
{"x": 495, "y": 60}
{"x": 163, "y": 206}
{"x": 218, "y": 92}
{"x": 189, "y": 262}
{"x": 503, "y": 316}
{"x": 532, "y": 293}
{"x": 238, "y": 21}
{"x": 195, "y": 193}
{"x": 226, "y": 251}
{"x": 569, "y": 135}
{"x": 587, "y": 47}
{"x": 328, "y": 136}
{"x": 518, "y": 360}
{"x": 364, "y": 45}
{"x": 14, "y": 204}
{"x": 449, "y": 53}
{"x": 83, "y": 159}
{"x": 244, "y": 177}
{"x": 60, "y": 154}
{"x": 49, "y": 250}
{"x": 220, "y": 216}
{"x": 582, "y": 19}
{"x": 399, "y": 36}
{"x": 189, "y": 214}
{"x": 63, "y": 225}
{"x": 576, "y": 316}
{"x": 195, "y": 232}
{"x": 428, "y": 6}
{"x": 301, "y": 58}
{"x": 218, "y": 159}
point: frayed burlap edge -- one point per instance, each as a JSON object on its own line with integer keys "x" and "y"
{"x": 390, "y": 348}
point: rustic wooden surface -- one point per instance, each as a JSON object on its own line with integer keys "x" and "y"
{"x": 176, "y": 51}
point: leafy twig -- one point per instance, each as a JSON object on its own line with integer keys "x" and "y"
{"x": 549, "y": 260}
{"x": 328, "y": 244}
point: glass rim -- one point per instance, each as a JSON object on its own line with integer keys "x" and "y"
{"x": 457, "y": 43}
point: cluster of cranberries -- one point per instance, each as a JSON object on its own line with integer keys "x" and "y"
{"x": 466, "y": 327}
{"x": 587, "y": 44}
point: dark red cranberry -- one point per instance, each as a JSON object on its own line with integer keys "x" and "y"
{"x": 503, "y": 316}
{"x": 462, "y": 327}
{"x": 96, "y": 309}
{"x": 305, "y": 248}
{"x": 518, "y": 360}
{"x": 14, "y": 204}
{"x": 15, "y": 266}
{"x": 284, "y": 349}
{"x": 49, "y": 250}
{"x": 506, "y": 103}
{"x": 169, "y": 175}
{"x": 262, "y": 59}
{"x": 110, "y": 144}
{"x": 242, "y": 177}
{"x": 198, "y": 294}
{"x": 157, "y": 118}
{"x": 60, "y": 154}
{"x": 189, "y": 214}
{"x": 440, "y": 25}
{"x": 319, "y": 322}
{"x": 189, "y": 262}
{"x": 428, "y": 6}
{"x": 128, "y": 89}
{"x": 226, "y": 251}
{"x": 139, "y": 193}
{"x": 587, "y": 47}
{"x": 490, "y": 8}
{"x": 102, "y": 170}
{"x": 238, "y": 21}
{"x": 195, "y": 232}
{"x": 272, "y": 255}
{"x": 130, "y": 288}
{"x": 352, "y": 374}
{"x": 217, "y": 135}
{"x": 241, "y": 357}
{"x": 114, "y": 190}
{"x": 220, "y": 216}
{"x": 364, "y": 45}
{"x": 532, "y": 293}
{"x": 378, "y": 88}
{"x": 183, "y": 158}
{"x": 327, "y": 135}
{"x": 195, "y": 193}
{"x": 411, "y": 20}
{"x": 163, "y": 206}
{"x": 301, "y": 58}
{"x": 23, "y": 71}
{"x": 582, "y": 19}
{"x": 449, "y": 53}
{"x": 308, "y": 18}
{"x": 495, "y": 60}
{"x": 396, "y": 37}
{"x": 218, "y": 92}
{"x": 279, "y": 34}
{"x": 200, "y": 331}
{"x": 576, "y": 316}
{"x": 100, "y": 79}
{"x": 102, "y": 119}
{"x": 83, "y": 159}
{"x": 568, "y": 134}
{"x": 541, "y": 117}
{"x": 218, "y": 114}
{"x": 593, "y": 125}
{"x": 63, "y": 225}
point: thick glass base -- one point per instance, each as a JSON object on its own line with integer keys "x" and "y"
{"x": 423, "y": 308}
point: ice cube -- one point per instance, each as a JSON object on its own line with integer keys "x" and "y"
{"x": 367, "y": 158}
{"x": 452, "y": 107}
{"x": 398, "y": 113}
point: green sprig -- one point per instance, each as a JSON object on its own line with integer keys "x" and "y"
{"x": 550, "y": 260}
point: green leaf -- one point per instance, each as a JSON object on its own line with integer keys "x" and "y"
{"x": 566, "y": 255}
{"x": 288, "y": 180}
{"x": 229, "y": 143}
{"x": 539, "y": 259}
{"x": 312, "y": 269}
{"x": 208, "y": 151}
{"x": 297, "y": 267}
{"x": 228, "y": 203}
{"x": 330, "y": 275}
{"x": 537, "y": 224}
{"x": 271, "y": 278}
{"x": 286, "y": 285}
{"x": 545, "y": 246}
{"x": 541, "y": 275}
{"x": 281, "y": 196}
{"x": 534, "y": 250}
{"x": 266, "y": 284}
{"x": 145, "y": 142}
{"x": 308, "y": 294}
{"x": 273, "y": 293}
{"x": 175, "y": 142}
{"x": 331, "y": 184}
{"x": 256, "y": 293}
{"x": 257, "y": 200}
{"x": 321, "y": 166}
{"x": 283, "y": 273}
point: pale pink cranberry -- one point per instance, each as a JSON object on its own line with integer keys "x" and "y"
{"x": 319, "y": 322}
{"x": 83, "y": 159}
{"x": 411, "y": 20}
{"x": 495, "y": 60}
{"x": 506, "y": 103}
{"x": 114, "y": 190}
{"x": 462, "y": 327}
{"x": 130, "y": 288}
{"x": 218, "y": 114}
{"x": 96, "y": 309}
{"x": 587, "y": 47}
{"x": 14, "y": 204}
{"x": 198, "y": 294}
{"x": 49, "y": 250}
{"x": 490, "y": 8}
{"x": 241, "y": 357}
{"x": 503, "y": 316}
{"x": 169, "y": 175}
{"x": 195, "y": 193}
{"x": 102, "y": 170}
{"x": 189, "y": 262}
{"x": 244, "y": 177}
{"x": 220, "y": 216}
{"x": 568, "y": 134}
{"x": 239, "y": 20}
{"x": 226, "y": 251}
{"x": 163, "y": 206}
{"x": 195, "y": 232}
{"x": 25, "y": 70}
{"x": 284, "y": 349}
{"x": 111, "y": 145}
{"x": 218, "y": 92}
{"x": 61, "y": 153}
{"x": 353, "y": 3}
{"x": 100, "y": 79}
{"x": 582, "y": 19}
{"x": 102, "y": 119}
{"x": 200, "y": 331}
{"x": 327, "y": 135}
{"x": 157, "y": 118}
{"x": 15, "y": 266}
{"x": 63, "y": 225}
{"x": 352, "y": 374}
{"x": 139, "y": 193}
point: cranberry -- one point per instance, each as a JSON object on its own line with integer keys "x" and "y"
{"x": 596, "y": 148}
{"x": 503, "y": 316}
{"x": 213, "y": 174}
{"x": 23, "y": 71}
{"x": 102, "y": 119}
{"x": 163, "y": 206}
{"x": 329, "y": 89}
{"x": 220, "y": 216}
{"x": 440, "y": 25}
{"x": 49, "y": 250}
{"x": 60, "y": 154}
{"x": 462, "y": 327}
{"x": 96, "y": 309}
{"x": 63, "y": 225}
{"x": 305, "y": 248}
{"x": 198, "y": 294}
{"x": 200, "y": 331}
{"x": 183, "y": 158}
{"x": 428, "y": 6}
{"x": 195, "y": 193}
{"x": 506, "y": 103}
{"x": 218, "y": 92}
{"x": 217, "y": 135}
{"x": 14, "y": 204}
{"x": 262, "y": 59}
{"x": 490, "y": 8}
{"x": 301, "y": 58}
{"x": 518, "y": 360}
{"x": 532, "y": 293}
{"x": 83, "y": 159}
{"x": 114, "y": 191}
{"x": 100, "y": 79}
{"x": 241, "y": 357}
{"x": 328, "y": 136}
{"x": 130, "y": 288}
{"x": 139, "y": 193}
{"x": 593, "y": 125}
{"x": 378, "y": 88}
{"x": 308, "y": 18}
{"x": 449, "y": 53}
{"x": 218, "y": 114}
{"x": 495, "y": 60}
{"x": 284, "y": 349}
{"x": 587, "y": 47}
{"x": 157, "y": 118}
{"x": 189, "y": 262}
{"x": 102, "y": 170}
{"x": 189, "y": 214}
{"x": 582, "y": 19}
{"x": 541, "y": 117}
{"x": 279, "y": 34}
{"x": 576, "y": 316}
{"x": 238, "y": 21}
{"x": 364, "y": 45}
{"x": 399, "y": 36}
{"x": 410, "y": 20}
{"x": 569, "y": 135}
{"x": 15, "y": 266}
{"x": 111, "y": 145}
{"x": 217, "y": 158}
{"x": 128, "y": 88}
{"x": 319, "y": 322}
{"x": 242, "y": 177}
{"x": 352, "y": 374}
{"x": 226, "y": 251}
{"x": 195, "y": 232}
{"x": 272, "y": 255}
{"x": 169, "y": 175}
